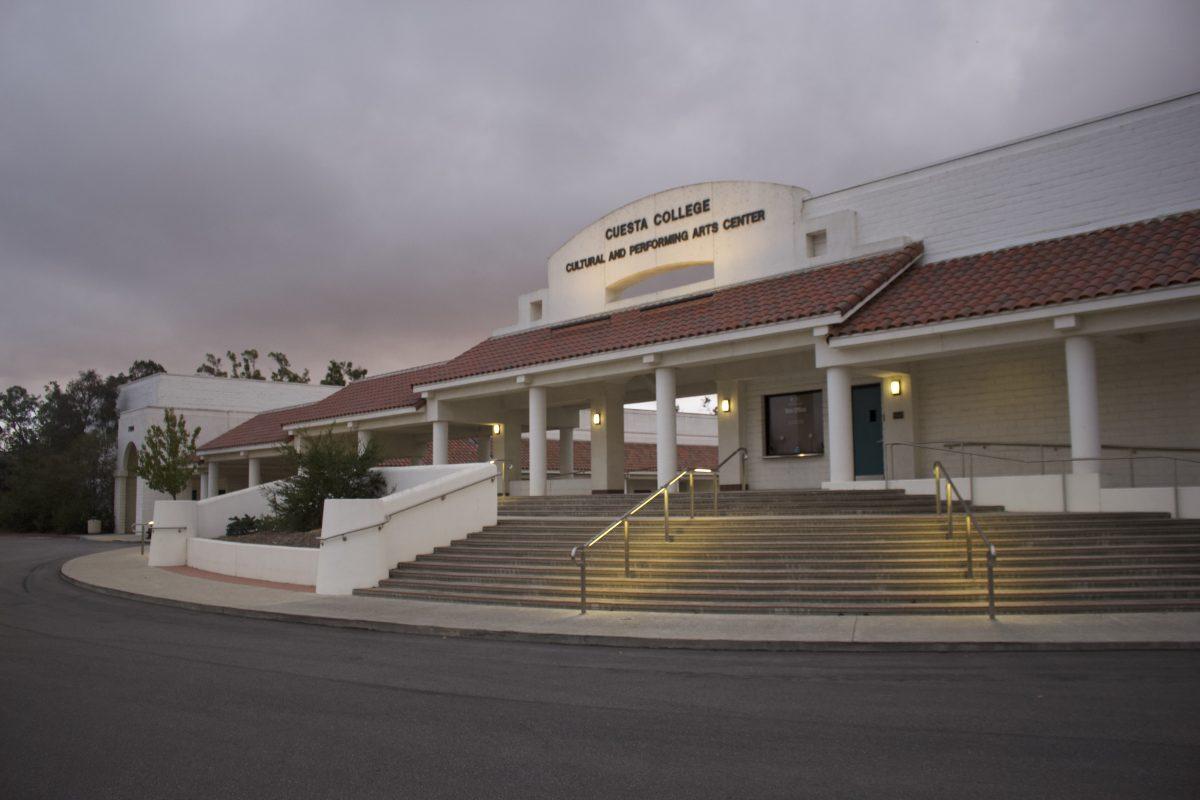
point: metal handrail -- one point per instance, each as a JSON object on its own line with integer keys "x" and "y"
{"x": 378, "y": 526}
{"x": 939, "y": 473}
{"x": 745, "y": 456}
{"x": 741, "y": 450}
{"x": 967, "y": 462}
{"x": 579, "y": 552}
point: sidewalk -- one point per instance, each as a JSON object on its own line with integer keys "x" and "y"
{"x": 123, "y": 572}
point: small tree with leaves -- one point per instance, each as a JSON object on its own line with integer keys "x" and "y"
{"x": 284, "y": 372}
{"x": 212, "y": 366}
{"x": 246, "y": 365}
{"x": 168, "y": 458}
{"x": 339, "y": 373}
{"x": 327, "y": 467}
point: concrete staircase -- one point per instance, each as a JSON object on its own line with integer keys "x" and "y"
{"x": 828, "y": 562}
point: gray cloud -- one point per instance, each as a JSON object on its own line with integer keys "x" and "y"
{"x": 378, "y": 181}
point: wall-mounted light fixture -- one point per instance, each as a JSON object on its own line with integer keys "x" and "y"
{"x": 495, "y": 428}
{"x": 596, "y": 419}
{"x": 895, "y": 389}
{"x": 724, "y": 405}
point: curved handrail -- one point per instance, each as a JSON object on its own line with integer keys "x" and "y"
{"x": 939, "y": 473}
{"x": 378, "y": 526}
{"x": 579, "y": 551}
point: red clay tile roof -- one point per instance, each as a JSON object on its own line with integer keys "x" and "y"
{"x": 381, "y": 393}
{"x": 836, "y": 288}
{"x": 264, "y": 428}
{"x": 1128, "y": 258}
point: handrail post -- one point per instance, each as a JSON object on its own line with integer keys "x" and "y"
{"x": 716, "y": 489}
{"x": 745, "y": 459}
{"x": 970, "y": 556}
{"x": 937, "y": 489}
{"x": 692, "y": 491}
{"x": 991, "y": 581}
{"x": 583, "y": 581}
{"x": 949, "y": 509}
{"x": 666, "y": 495}
{"x": 627, "y": 547}
{"x": 1175, "y": 484}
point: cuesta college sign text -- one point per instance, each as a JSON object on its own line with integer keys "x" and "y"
{"x": 673, "y": 215}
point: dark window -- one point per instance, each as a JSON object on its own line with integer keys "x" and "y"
{"x": 794, "y": 425}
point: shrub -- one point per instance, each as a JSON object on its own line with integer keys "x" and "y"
{"x": 240, "y": 526}
{"x": 328, "y": 467}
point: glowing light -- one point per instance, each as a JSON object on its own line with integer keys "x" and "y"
{"x": 894, "y": 387}
{"x": 495, "y": 427}
{"x": 725, "y": 405}
{"x": 596, "y": 419}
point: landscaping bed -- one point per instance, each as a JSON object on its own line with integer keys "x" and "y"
{"x": 280, "y": 538}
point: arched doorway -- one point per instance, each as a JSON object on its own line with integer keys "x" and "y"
{"x": 129, "y": 510}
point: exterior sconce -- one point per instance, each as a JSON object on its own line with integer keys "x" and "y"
{"x": 894, "y": 387}
{"x": 724, "y": 405}
{"x": 495, "y": 428}
{"x": 596, "y": 419}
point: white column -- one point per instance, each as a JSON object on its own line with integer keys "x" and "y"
{"x": 203, "y": 487}
{"x": 254, "y": 470}
{"x": 566, "y": 451}
{"x": 841, "y": 431}
{"x": 537, "y": 441}
{"x": 507, "y": 447}
{"x": 213, "y": 478}
{"x": 664, "y": 416}
{"x": 441, "y": 442}
{"x": 608, "y": 440}
{"x": 1084, "y": 403}
{"x": 364, "y": 440}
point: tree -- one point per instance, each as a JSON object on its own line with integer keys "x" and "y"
{"x": 143, "y": 367}
{"x": 245, "y": 366}
{"x": 339, "y": 373}
{"x": 329, "y": 467}
{"x": 18, "y": 418}
{"x": 285, "y": 373}
{"x": 168, "y": 458}
{"x": 212, "y": 366}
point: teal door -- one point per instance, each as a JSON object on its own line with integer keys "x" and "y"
{"x": 866, "y": 404}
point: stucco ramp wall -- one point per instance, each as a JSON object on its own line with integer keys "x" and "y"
{"x": 429, "y": 507}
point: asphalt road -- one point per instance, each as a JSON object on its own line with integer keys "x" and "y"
{"x": 104, "y": 698}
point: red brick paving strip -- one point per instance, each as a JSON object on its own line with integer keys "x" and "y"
{"x": 191, "y": 572}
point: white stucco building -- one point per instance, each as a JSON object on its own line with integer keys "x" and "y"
{"x": 215, "y": 405}
{"x": 1036, "y": 303}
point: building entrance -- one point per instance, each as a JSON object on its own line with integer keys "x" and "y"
{"x": 867, "y": 419}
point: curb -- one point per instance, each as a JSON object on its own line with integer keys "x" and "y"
{"x": 641, "y": 642}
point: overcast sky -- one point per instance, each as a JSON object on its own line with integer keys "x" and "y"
{"x": 377, "y": 181}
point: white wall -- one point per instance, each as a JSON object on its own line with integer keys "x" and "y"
{"x": 256, "y": 561}
{"x": 1115, "y": 170}
{"x": 429, "y": 507}
{"x": 1148, "y": 387}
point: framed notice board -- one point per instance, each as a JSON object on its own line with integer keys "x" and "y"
{"x": 794, "y": 424}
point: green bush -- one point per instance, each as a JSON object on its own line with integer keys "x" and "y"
{"x": 250, "y": 524}
{"x": 328, "y": 467}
